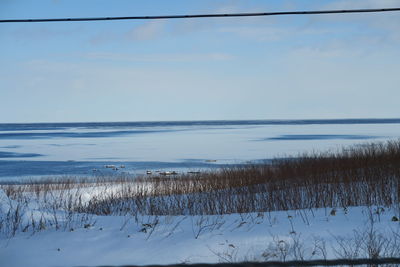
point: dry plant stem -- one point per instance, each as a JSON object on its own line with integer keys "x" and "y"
{"x": 367, "y": 175}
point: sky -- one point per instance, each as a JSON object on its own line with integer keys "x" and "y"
{"x": 287, "y": 67}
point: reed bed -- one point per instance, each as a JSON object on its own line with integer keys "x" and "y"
{"x": 355, "y": 176}
{"x": 365, "y": 175}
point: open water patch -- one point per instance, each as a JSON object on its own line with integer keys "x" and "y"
{"x": 4, "y": 154}
{"x": 10, "y": 146}
{"x": 99, "y": 134}
{"x": 305, "y": 137}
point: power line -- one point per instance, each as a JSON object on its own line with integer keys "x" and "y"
{"x": 374, "y": 10}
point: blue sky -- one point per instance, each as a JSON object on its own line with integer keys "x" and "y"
{"x": 332, "y": 66}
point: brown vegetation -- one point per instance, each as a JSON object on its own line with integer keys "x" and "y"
{"x": 357, "y": 176}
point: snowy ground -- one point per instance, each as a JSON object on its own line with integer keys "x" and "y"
{"x": 142, "y": 240}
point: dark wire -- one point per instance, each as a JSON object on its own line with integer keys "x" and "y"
{"x": 207, "y": 15}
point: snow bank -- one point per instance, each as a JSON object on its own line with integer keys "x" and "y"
{"x": 122, "y": 240}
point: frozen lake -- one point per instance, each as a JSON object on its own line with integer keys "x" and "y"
{"x": 78, "y": 148}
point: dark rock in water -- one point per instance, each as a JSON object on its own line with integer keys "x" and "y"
{"x": 169, "y": 173}
{"x": 110, "y": 166}
{"x": 333, "y": 212}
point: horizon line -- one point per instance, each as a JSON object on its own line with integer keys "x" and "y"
{"x": 213, "y": 120}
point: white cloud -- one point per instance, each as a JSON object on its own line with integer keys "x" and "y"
{"x": 181, "y": 57}
{"x": 257, "y": 33}
{"x": 148, "y": 31}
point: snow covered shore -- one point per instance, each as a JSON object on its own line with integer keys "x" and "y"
{"x": 321, "y": 206}
{"x": 279, "y": 235}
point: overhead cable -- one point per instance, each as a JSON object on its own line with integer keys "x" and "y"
{"x": 194, "y": 16}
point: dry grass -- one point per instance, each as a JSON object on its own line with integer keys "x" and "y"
{"x": 357, "y": 176}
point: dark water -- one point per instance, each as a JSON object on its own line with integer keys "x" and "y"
{"x": 321, "y": 137}
{"x": 112, "y": 125}
{"x": 36, "y": 149}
